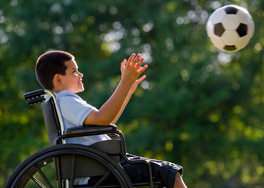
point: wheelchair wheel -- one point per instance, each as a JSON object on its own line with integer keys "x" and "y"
{"x": 60, "y": 165}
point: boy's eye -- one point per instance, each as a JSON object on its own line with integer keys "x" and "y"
{"x": 75, "y": 70}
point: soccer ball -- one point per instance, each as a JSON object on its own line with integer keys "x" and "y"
{"x": 230, "y": 28}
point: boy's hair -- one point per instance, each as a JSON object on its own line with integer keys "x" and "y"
{"x": 49, "y": 64}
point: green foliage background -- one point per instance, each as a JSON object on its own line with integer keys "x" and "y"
{"x": 199, "y": 107}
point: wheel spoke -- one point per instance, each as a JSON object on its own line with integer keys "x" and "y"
{"x": 44, "y": 177}
{"x": 36, "y": 181}
{"x": 102, "y": 179}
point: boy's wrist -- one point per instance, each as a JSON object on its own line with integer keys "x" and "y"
{"x": 126, "y": 82}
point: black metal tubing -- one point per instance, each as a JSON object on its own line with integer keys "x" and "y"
{"x": 151, "y": 182}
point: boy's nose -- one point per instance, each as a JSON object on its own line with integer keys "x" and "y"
{"x": 81, "y": 74}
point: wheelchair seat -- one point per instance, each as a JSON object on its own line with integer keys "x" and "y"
{"x": 73, "y": 161}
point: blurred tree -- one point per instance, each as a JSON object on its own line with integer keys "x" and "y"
{"x": 199, "y": 107}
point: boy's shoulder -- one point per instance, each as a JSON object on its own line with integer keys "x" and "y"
{"x": 67, "y": 97}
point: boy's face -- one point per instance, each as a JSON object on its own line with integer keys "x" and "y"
{"x": 72, "y": 80}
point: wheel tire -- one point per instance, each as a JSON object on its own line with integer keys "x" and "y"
{"x": 36, "y": 169}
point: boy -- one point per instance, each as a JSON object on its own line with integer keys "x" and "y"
{"x": 57, "y": 71}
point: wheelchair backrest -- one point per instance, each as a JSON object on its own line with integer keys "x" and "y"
{"x": 51, "y": 120}
{"x": 51, "y": 113}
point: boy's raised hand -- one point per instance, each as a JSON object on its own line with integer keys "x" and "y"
{"x": 131, "y": 69}
{"x": 111, "y": 110}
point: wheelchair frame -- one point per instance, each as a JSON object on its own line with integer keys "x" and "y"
{"x": 102, "y": 159}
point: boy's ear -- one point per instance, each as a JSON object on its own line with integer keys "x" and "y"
{"x": 56, "y": 80}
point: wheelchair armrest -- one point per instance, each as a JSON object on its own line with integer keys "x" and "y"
{"x": 86, "y": 131}
{"x": 90, "y": 130}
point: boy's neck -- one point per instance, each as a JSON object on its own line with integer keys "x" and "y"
{"x": 56, "y": 90}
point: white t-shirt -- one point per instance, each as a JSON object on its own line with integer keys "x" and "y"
{"x": 74, "y": 110}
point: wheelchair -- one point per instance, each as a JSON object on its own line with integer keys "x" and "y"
{"x": 63, "y": 164}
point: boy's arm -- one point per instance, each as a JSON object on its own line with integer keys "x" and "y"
{"x": 111, "y": 108}
{"x": 131, "y": 91}
{"x": 122, "y": 109}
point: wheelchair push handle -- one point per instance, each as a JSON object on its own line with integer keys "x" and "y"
{"x": 34, "y": 97}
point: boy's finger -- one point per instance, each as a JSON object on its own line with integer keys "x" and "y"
{"x": 141, "y": 79}
{"x": 140, "y": 62}
{"x": 131, "y": 58}
{"x": 123, "y": 64}
{"x": 142, "y": 69}
{"x": 136, "y": 59}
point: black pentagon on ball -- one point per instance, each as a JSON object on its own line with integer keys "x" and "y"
{"x": 230, "y": 48}
{"x": 231, "y": 10}
{"x": 242, "y": 30}
{"x": 219, "y": 29}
